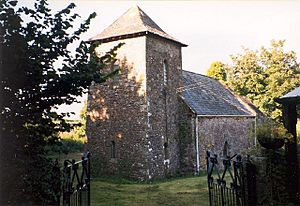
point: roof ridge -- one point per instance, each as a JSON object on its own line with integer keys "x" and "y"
{"x": 200, "y": 74}
{"x": 139, "y": 15}
{"x": 145, "y": 17}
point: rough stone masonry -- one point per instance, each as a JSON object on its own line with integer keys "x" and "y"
{"x": 153, "y": 120}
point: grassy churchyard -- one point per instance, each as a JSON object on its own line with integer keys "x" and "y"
{"x": 178, "y": 191}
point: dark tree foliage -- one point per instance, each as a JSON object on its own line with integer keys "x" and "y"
{"x": 31, "y": 87}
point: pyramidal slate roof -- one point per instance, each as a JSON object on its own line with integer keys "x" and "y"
{"x": 133, "y": 22}
{"x": 207, "y": 96}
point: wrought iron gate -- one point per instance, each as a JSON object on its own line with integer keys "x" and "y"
{"x": 226, "y": 183}
{"x": 76, "y": 182}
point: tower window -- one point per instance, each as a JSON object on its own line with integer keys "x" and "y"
{"x": 113, "y": 149}
{"x": 165, "y": 72}
{"x": 116, "y": 69}
{"x": 166, "y": 153}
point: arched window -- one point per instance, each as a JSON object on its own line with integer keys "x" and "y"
{"x": 226, "y": 149}
{"x": 165, "y": 72}
{"x": 113, "y": 149}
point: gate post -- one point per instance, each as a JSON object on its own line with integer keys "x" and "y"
{"x": 89, "y": 177}
{"x": 208, "y": 175}
{"x": 250, "y": 176}
{"x": 66, "y": 183}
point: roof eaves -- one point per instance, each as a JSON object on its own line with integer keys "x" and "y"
{"x": 282, "y": 100}
{"x": 133, "y": 35}
{"x": 117, "y": 37}
{"x": 191, "y": 108}
{"x": 168, "y": 38}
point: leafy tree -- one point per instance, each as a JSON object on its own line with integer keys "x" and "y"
{"x": 217, "y": 71}
{"x": 264, "y": 75}
{"x": 83, "y": 112}
{"x": 73, "y": 140}
{"x": 78, "y": 132}
{"x": 31, "y": 87}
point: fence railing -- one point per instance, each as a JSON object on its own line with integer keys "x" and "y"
{"x": 76, "y": 182}
{"x": 227, "y": 182}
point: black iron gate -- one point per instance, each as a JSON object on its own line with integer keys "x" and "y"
{"x": 76, "y": 182}
{"x": 226, "y": 181}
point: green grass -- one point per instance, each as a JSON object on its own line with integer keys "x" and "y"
{"x": 180, "y": 191}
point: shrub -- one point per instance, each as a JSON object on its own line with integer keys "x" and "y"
{"x": 272, "y": 136}
{"x": 69, "y": 142}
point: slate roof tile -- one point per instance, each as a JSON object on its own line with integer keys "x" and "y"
{"x": 206, "y": 96}
{"x": 133, "y": 21}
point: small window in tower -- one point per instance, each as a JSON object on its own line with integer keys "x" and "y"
{"x": 116, "y": 71}
{"x": 165, "y": 68}
{"x": 166, "y": 150}
{"x": 113, "y": 149}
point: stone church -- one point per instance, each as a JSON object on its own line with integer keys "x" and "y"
{"x": 153, "y": 119}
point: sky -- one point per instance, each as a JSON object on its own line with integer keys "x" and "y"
{"x": 213, "y": 30}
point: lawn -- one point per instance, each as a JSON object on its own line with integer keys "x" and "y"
{"x": 180, "y": 191}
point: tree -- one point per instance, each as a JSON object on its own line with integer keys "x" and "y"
{"x": 217, "y": 71}
{"x": 31, "y": 86}
{"x": 77, "y": 134}
{"x": 264, "y": 75}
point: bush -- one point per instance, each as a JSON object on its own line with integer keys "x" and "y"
{"x": 70, "y": 142}
{"x": 44, "y": 183}
{"x": 66, "y": 146}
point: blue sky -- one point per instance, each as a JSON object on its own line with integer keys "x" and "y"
{"x": 214, "y": 30}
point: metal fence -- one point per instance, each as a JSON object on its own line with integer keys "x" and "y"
{"x": 227, "y": 181}
{"x": 76, "y": 182}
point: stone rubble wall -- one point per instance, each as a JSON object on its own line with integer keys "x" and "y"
{"x": 117, "y": 112}
{"x": 163, "y": 106}
{"x": 187, "y": 140}
{"x": 272, "y": 177}
{"x": 137, "y": 111}
{"x": 214, "y": 131}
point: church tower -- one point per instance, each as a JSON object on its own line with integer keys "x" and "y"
{"x": 132, "y": 118}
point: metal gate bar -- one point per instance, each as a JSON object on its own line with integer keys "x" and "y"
{"x": 76, "y": 182}
{"x": 226, "y": 187}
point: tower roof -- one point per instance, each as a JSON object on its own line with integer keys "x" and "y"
{"x": 134, "y": 22}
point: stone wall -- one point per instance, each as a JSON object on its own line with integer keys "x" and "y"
{"x": 215, "y": 131}
{"x": 117, "y": 115}
{"x": 136, "y": 113}
{"x": 187, "y": 139}
{"x": 162, "y": 102}
{"x": 272, "y": 178}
